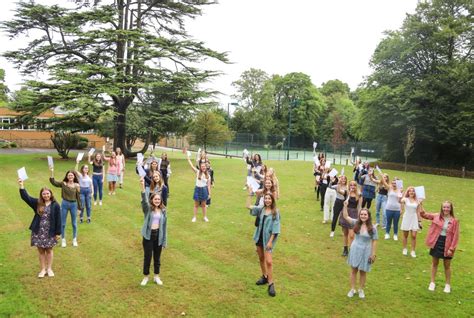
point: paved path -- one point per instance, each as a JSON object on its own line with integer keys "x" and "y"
{"x": 25, "y": 150}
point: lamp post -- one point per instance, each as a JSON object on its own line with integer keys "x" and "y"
{"x": 295, "y": 102}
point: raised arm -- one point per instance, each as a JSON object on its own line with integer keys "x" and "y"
{"x": 425, "y": 215}
{"x": 32, "y": 202}
{"x": 54, "y": 182}
{"x": 191, "y": 165}
{"x": 345, "y": 214}
{"x": 145, "y": 203}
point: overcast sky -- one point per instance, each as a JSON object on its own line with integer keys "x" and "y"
{"x": 326, "y": 39}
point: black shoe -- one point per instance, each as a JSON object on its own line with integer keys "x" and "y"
{"x": 88, "y": 220}
{"x": 80, "y": 221}
{"x": 262, "y": 281}
{"x": 345, "y": 252}
{"x": 271, "y": 290}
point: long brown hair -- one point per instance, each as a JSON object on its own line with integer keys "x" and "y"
{"x": 200, "y": 171}
{"x": 153, "y": 184}
{"x": 368, "y": 223}
{"x": 152, "y": 196}
{"x": 76, "y": 180}
{"x": 41, "y": 204}
{"x": 99, "y": 162}
{"x": 452, "y": 209}
{"x": 272, "y": 206}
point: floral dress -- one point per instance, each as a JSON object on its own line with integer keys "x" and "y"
{"x": 42, "y": 238}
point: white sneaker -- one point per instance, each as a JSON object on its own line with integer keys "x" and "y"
{"x": 41, "y": 274}
{"x": 395, "y": 237}
{"x": 74, "y": 242}
{"x": 413, "y": 254}
{"x": 63, "y": 242}
{"x": 95, "y": 202}
{"x": 387, "y": 236}
{"x": 361, "y": 293}
{"x": 144, "y": 281}
{"x": 351, "y": 293}
{"x": 157, "y": 280}
{"x": 100, "y": 202}
{"x": 206, "y": 219}
{"x": 447, "y": 288}
{"x": 331, "y": 234}
{"x": 405, "y": 251}
{"x": 193, "y": 220}
{"x": 50, "y": 273}
{"x": 324, "y": 221}
{"x": 432, "y": 286}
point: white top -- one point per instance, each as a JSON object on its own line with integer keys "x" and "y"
{"x": 203, "y": 182}
{"x": 410, "y": 218}
{"x": 445, "y": 226}
{"x": 84, "y": 181}
{"x": 392, "y": 201}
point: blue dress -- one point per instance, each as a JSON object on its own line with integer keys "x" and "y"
{"x": 361, "y": 249}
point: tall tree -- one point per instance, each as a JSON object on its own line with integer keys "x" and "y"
{"x": 209, "y": 129}
{"x": 101, "y": 57}
{"x": 3, "y": 88}
{"x": 423, "y": 77}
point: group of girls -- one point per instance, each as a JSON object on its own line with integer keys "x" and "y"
{"x": 77, "y": 190}
{"x": 354, "y": 200}
{"x": 267, "y": 217}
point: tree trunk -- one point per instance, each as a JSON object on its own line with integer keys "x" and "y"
{"x": 406, "y": 160}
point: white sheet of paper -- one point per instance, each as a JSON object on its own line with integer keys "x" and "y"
{"x": 399, "y": 184}
{"x": 420, "y": 192}
{"x": 352, "y": 150}
{"x": 80, "y": 155}
{"x": 378, "y": 169}
{"x": 245, "y": 153}
{"x": 146, "y": 166}
{"x": 252, "y": 182}
{"x": 316, "y": 161}
{"x": 141, "y": 171}
{"x": 315, "y": 144}
{"x": 91, "y": 151}
{"x": 342, "y": 171}
{"x": 327, "y": 165}
{"x": 22, "y": 173}
{"x": 188, "y": 153}
{"x": 140, "y": 158}
{"x": 333, "y": 173}
{"x": 50, "y": 161}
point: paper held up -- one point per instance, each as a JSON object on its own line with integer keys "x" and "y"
{"x": 141, "y": 171}
{"x": 252, "y": 183}
{"x": 352, "y": 150}
{"x": 399, "y": 184}
{"x": 420, "y": 192}
{"x": 333, "y": 173}
{"x": 245, "y": 153}
{"x": 378, "y": 169}
{"x": 91, "y": 152}
{"x": 327, "y": 165}
{"x": 342, "y": 171}
{"x": 140, "y": 158}
{"x": 315, "y": 144}
{"x": 80, "y": 155}
{"x": 22, "y": 174}
{"x": 50, "y": 162}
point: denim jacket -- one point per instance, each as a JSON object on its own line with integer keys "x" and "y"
{"x": 271, "y": 226}
{"x": 146, "y": 229}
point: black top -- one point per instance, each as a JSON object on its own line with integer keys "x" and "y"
{"x": 164, "y": 164}
{"x": 352, "y": 203}
{"x": 97, "y": 168}
{"x": 383, "y": 191}
{"x": 54, "y": 216}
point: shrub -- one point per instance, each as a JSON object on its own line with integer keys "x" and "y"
{"x": 64, "y": 142}
{"x": 13, "y": 145}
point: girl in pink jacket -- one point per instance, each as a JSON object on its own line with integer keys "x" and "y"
{"x": 442, "y": 239}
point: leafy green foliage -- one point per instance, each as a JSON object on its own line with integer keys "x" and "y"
{"x": 101, "y": 58}
{"x": 423, "y": 77}
{"x": 64, "y": 142}
{"x": 209, "y": 129}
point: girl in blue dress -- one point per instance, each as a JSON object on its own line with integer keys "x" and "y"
{"x": 362, "y": 252}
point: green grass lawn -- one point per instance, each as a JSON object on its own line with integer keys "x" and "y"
{"x": 210, "y": 269}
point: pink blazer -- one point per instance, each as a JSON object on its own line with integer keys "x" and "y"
{"x": 452, "y": 233}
